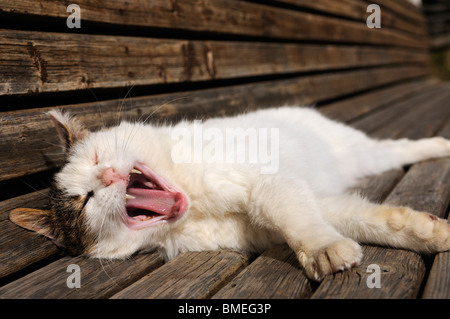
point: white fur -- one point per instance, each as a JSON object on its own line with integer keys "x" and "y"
{"x": 233, "y": 206}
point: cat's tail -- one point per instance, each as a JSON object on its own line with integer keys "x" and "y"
{"x": 400, "y": 227}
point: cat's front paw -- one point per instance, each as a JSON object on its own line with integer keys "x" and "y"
{"x": 337, "y": 256}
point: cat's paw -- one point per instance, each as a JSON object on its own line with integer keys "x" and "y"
{"x": 334, "y": 257}
{"x": 426, "y": 232}
{"x": 441, "y": 146}
{"x": 434, "y": 232}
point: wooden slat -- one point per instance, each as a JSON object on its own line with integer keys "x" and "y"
{"x": 220, "y": 16}
{"x": 426, "y": 187}
{"x": 362, "y": 105}
{"x": 35, "y": 62}
{"x": 98, "y": 279}
{"x": 376, "y": 123}
{"x": 404, "y": 9}
{"x": 401, "y": 271}
{"x": 21, "y": 248}
{"x": 429, "y": 112}
{"x": 438, "y": 283}
{"x": 28, "y": 143}
{"x": 276, "y": 274}
{"x": 357, "y": 10}
{"x": 194, "y": 275}
{"x": 377, "y": 188}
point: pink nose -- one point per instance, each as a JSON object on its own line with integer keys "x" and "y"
{"x": 110, "y": 176}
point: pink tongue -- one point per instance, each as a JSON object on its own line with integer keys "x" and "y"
{"x": 158, "y": 201}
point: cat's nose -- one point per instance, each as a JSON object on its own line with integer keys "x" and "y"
{"x": 110, "y": 176}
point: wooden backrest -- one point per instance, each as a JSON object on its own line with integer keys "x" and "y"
{"x": 169, "y": 59}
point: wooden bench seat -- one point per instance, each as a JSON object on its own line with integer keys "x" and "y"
{"x": 192, "y": 59}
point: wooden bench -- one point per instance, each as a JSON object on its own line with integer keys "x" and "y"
{"x": 195, "y": 59}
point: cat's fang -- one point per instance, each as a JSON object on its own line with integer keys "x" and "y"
{"x": 135, "y": 171}
{"x": 128, "y": 196}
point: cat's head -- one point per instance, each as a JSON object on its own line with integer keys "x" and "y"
{"x": 113, "y": 194}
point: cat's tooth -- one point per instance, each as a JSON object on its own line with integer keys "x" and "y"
{"x": 128, "y": 196}
{"x": 135, "y": 171}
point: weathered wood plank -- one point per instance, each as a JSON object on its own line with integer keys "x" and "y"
{"x": 421, "y": 119}
{"x": 190, "y": 275}
{"x": 401, "y": 271}
{"x": 21, "y": 248}
{"x": 28, "y": 143}
{"x": 438, "y": 282}
{"x": 34, "y": 62}
{"x": 426, "y": 187}
{"x": 375, "y": 123}
{"x": 276, "y": 274}
{"x": 403, "y": 9}
{"x": 357, "y": 10}
{"x": 353, "y": 108}
{"x": 98, "y": 279}
{"x": 377, "y": 188}
{"x": 221, "y": 16}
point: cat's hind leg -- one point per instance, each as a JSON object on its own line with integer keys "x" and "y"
{"x": 399, "y": 227}
{"x": 294, "y": 213}
{"x": 398, "y": 153}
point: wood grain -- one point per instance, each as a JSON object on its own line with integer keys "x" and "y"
{"x": 98, "y": 279}
{"x": 401, "y": 274}
{"x": 222, "y": 16}
{"x": 426, "y": 187}
{"x": 192, "y": 275}
{"x": 352, "y": 108}
{"x": 36, "y": 62}
{"x": 276, "y": 274}
{"x": 438, "y": 282}
{"x": 357, "y": 10}
{"x": 384, "y": 122}
{"x": 21, "y": 248}
{"x": 432, "y": 112}
{"x": 28, "y": 143}
{"x": 403, "y": 9}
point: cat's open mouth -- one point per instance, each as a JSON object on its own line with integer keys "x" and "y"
{"x": 150, "y": 200}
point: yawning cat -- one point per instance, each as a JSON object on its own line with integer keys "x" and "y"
{"x": 124, "y": 189}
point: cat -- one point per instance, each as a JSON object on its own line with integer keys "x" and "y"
{"x": 120, "y": 191}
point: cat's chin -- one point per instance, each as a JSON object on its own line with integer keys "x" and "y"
{"x": 151, "y": 200}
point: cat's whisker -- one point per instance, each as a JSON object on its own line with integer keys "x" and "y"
{"x": 54, "y": 144}
{"x": 101, "y": 116}
{"x": 100, "y": 259}
{"x": 122, "y": 104}
{"x": 157, "y": 108}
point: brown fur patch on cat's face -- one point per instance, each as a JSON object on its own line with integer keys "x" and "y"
{"x": 68, "y": 222}
{"x": 64, "y": 222}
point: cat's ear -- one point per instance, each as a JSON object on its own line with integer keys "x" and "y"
{"x": 69, "y": 129}
{"x": 33, "y": 219}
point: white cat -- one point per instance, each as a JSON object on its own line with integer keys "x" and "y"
{"x": 121, "y": 191}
